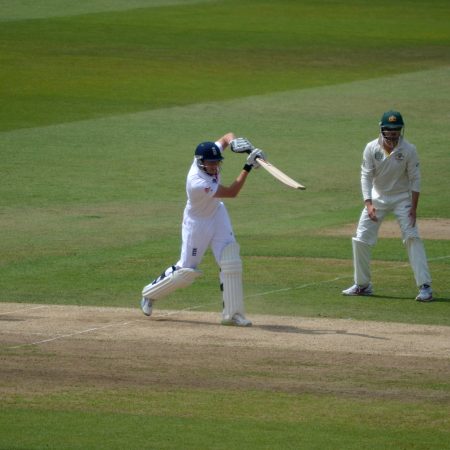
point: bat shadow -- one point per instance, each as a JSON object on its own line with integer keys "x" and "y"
{"x": 298, "y": 330}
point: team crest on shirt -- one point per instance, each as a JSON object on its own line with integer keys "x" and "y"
{"x": 378, "y": 156}
{"x": 400, "y": 156}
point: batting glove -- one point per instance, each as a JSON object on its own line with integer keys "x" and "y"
{"x": 252, "y": 159}
{"x": 241, "y": 145}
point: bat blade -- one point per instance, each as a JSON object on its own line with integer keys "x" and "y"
{"x": 279, "y": 175}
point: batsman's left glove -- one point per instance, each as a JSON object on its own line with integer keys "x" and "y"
{"x": 241, "y": 145}
{"x": 252, "y": 159}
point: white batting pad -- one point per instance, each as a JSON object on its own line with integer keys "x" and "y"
{"x": 231, "y": 267}
{"x": 180, "y": 278}
{"x": 361, "y": 259}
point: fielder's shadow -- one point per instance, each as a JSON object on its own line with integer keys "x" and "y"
{"x": 408, "y": 298}
{"x": 440, "y": 299}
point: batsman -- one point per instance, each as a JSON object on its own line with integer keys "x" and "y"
{"x": 206, "y": 224}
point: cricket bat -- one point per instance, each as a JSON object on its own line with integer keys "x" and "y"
{"x": 279, "y": 175}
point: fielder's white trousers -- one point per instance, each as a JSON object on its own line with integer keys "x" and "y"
{"x": 367, "y": 236}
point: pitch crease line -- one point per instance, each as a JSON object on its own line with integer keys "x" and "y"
{"x": 24, "y": 310}
{"x": 303, "y": 286}
{"x": 62, "y": 336}
{"x": 186, "y": 309}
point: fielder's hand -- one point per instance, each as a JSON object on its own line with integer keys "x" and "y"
{"x": 372, "y": 212}
{"x": 252, "y": 158}
{"x": 241, "y": 145}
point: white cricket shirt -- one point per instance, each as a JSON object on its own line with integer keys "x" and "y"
{"x": 200, "y": 190}
{"x": 389, "y": 174}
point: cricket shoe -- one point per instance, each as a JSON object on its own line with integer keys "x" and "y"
{"x": 425, "y": 294}
{"x": 238, "y": 320}
{"x": 359, "y": 290}
{"x": 146, "y": 306}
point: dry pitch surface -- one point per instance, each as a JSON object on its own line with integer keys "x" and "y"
{"x": 49, "y": 348}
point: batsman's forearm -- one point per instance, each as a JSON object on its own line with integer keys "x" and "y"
{"x": 226, "y": 139}
{"x": 237, "y": 185}
{"x": 234, "y": 188}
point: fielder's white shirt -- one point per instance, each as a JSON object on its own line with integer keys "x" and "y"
{"x": 389, "y": 174}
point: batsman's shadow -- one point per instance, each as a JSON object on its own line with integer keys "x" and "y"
{"x": 298, "y": 330}
{"x": 272, "y": 328}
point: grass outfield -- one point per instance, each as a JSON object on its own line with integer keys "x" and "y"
{"x": 218, "y": 420}
{"x": 101, "y": 109}
{"x": 65, "y": 68}
{"x": 101, "y": 201}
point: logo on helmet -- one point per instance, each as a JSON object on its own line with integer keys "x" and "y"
{"x": 391, "y": 119}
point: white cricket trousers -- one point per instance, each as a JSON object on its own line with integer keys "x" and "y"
{"x": 198, "y": 234}
{"x": 367, "y": 236}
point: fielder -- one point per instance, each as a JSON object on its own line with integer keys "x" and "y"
{"x": 206, "y": 224}
{"x": 390, "y": 182}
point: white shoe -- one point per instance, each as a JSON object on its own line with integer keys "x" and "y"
{"x": 359, "y": 290}
{"x": 146, "y": 306}
{"x": 238, "y": 320}
{"x": 425, "y": 294}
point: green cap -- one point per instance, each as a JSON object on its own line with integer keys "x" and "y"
{"x": 392, "y": 119}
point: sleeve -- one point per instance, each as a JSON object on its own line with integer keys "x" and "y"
{"x": 367, "y": 173}
{"x": 413, "y": 170}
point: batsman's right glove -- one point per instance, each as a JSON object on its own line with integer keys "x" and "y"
{"x": 241, "y": 145}
{"x": 252, "y": 159}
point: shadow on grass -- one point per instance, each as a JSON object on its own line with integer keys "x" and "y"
{"x": 393, "y": 297}
{"x": 440, "y": 299}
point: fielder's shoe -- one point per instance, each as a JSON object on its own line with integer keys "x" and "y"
{"x": 238, "y": 320}
{"x": 425, "y": 294}
{"x": 146, "y": 306}
{"x": 359, "y": 290}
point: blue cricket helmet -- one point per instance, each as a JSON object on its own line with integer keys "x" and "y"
{"x": 208, "y": 151}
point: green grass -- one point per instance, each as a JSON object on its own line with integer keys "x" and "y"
{"x": 32, "y": 9}
{"x": 100, "y": 202}
{"x": 101, "y": 108}
{"x": 220, "y": 420}
{"x": 61, "y": 69}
